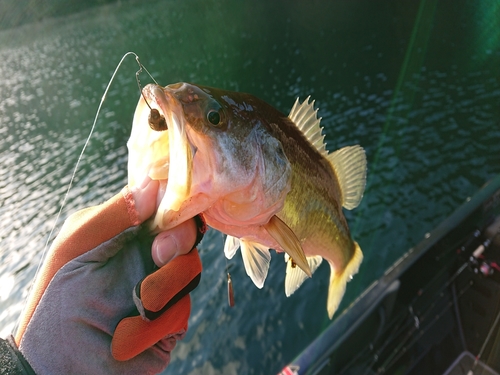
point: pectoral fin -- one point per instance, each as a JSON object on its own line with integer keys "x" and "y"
{"x": 288, "y": 241}
{"x": 295, "y": 276}
{"x": 230, "y": 246}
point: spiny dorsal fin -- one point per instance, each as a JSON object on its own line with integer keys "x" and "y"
{"x": 350, "y": 167}
{"x": 304, "y": 116}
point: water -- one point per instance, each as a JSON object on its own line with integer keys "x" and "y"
{"x": 417, "y": 85}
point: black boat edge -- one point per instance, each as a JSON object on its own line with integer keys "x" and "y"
{"x": 319, "y": 356}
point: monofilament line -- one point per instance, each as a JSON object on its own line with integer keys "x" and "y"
{"x": 80, "y": 157}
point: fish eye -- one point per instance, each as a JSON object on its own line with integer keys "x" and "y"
{"x": 213, "y": 117}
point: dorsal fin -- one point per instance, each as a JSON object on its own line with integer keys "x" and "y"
{"x": 349, "y": 164}
{"x": 304, "y": 116}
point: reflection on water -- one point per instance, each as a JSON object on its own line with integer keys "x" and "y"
{"x": 430, "y": 126}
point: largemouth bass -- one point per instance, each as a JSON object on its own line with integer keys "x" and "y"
{"x": 263, "y": 178}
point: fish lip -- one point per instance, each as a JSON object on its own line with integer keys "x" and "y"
{"x": 180, "y": 150}
{"x": 155, "y": 97}
{"x": 164, "y": 100}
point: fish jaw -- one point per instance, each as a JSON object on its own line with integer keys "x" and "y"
{"x": 161, "y": 155}
{"x": 147, "y": 149}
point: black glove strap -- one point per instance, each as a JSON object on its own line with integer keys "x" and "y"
{"x": 201, "y": 229}
{"x": 152, "y": 315}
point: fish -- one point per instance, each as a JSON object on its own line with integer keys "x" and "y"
{"x": 263, "y": 178}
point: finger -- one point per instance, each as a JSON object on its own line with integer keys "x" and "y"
{"x": 133, "y": 335}
{"x": 173, "y": 242}
{"x": 145, "y": 196}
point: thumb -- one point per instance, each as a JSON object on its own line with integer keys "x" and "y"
{"x": 174, "y": 242}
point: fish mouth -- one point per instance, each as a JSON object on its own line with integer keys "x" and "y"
{"x": 161, "y": 153}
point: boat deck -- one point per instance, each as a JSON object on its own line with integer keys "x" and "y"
{"x": 465, "y": 362}
{"x": 433, "y": 312}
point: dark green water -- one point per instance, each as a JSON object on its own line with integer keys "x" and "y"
{"x": 417, "y": 84}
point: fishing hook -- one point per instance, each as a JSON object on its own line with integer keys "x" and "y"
{"x": 155, "y": 120}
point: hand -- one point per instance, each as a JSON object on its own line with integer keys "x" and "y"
{"x": 162, "y": 298}
{"x": 84, "y": 292}
{"x": 168, "y": 244}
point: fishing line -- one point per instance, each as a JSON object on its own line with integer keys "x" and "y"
{"x": 156, "y": 120}
{"x": 80, "y": 157}
{"x": 230, "y": 290}
{"x": 490, "y": 332}
{"x": 402, "y": 332}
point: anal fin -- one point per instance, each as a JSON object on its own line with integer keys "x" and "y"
{"x": 295, "y": 276}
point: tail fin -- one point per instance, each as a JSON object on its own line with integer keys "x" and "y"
{"x": 338, "y": 280}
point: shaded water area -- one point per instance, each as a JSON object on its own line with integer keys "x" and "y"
{"x": 417, "y": 84}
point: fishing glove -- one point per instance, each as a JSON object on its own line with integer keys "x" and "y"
{"x": 76, "y": 317}
{"x": 163, "y": 303}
